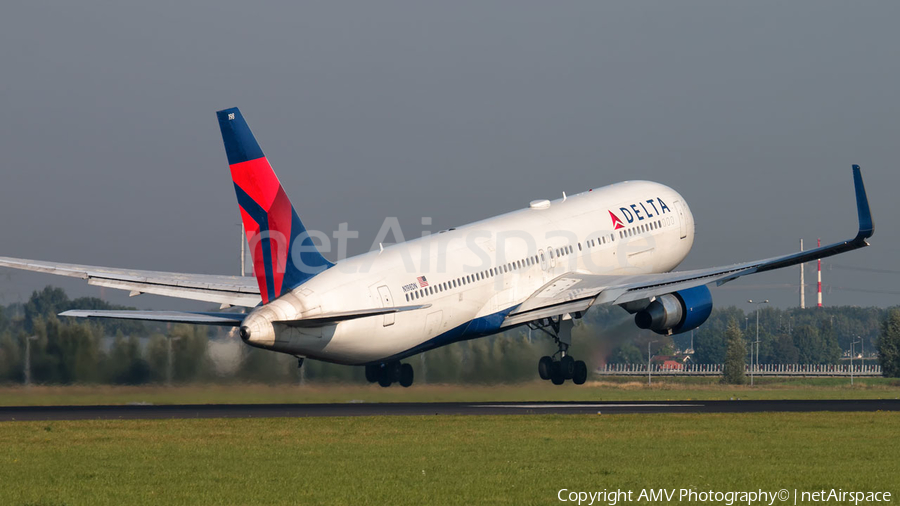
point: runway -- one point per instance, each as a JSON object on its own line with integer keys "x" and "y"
{"x": 138, "y": 412}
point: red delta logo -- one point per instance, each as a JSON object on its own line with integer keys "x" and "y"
{"x": 617, "y": 223}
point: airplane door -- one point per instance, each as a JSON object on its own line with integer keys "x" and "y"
{"x": 386, "y": 301}
{"x": 682, "y": 222}
{"x": 543, "y": 260}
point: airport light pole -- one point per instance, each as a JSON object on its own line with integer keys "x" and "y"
{"x": 28, "y": 359}
{"x": 243, "y": 249}
{"x": 862, "y": 351}
{"x": 851, "y": 359}
{"x": 648, "y": 362}
{"x": 757, "y": 338}
{"x": 170, "y": 366}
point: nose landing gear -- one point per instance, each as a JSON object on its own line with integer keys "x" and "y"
{"x": 388, "y": 373}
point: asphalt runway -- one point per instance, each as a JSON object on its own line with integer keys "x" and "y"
{"x": 137, "y": 412}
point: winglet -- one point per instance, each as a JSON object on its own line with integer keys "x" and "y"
{"x": 866, "y": 225}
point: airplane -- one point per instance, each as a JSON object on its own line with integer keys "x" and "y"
{"x": 540, "y": 267}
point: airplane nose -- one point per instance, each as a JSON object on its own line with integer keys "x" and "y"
{"x": 245, "y": 333}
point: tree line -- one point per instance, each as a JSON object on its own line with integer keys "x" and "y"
{"x": 67, "y": 350}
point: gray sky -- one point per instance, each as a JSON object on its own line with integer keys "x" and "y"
{"x": 754, "y": 111}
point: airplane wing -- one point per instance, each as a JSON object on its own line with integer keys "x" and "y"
{"x": 576, "y": 292}
{"x": 225, "y": 290}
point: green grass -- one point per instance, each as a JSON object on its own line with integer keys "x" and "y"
{"x": 618, "y": 389}
{"x": 439, "y": 459}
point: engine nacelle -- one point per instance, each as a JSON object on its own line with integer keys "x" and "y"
{"x": 674, "y": 313}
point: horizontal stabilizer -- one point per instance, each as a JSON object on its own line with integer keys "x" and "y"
{"x": 223, "y": 319}
{"x": 321, "y": 320}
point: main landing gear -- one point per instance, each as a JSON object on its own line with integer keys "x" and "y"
{"x": 558, "y": 371}
{"x": 391, "y": 372}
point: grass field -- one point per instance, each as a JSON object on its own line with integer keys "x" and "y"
{"x": 441, "y": 459}
{"x": 611, "y": 390}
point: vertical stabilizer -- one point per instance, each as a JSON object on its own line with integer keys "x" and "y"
{"x": 283, "y": 254}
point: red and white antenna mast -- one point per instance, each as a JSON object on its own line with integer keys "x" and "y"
{"x": 819, "y": 244}
{"x": 802, "y": 283}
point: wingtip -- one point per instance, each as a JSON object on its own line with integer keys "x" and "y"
{"x": 866, "y": 223}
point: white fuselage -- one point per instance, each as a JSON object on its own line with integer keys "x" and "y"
{"x": 476, "y": 274}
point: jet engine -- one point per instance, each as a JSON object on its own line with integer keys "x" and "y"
{"x": 677, "y": 312}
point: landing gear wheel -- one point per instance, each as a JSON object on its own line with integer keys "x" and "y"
{"x": 567, "y": 364}
{"x": 372, "y": 371}
{"x": 406, "y": 375}
{"x": 545, "y": 366}
{"x": 580, "y": 375}
{"x": 384, "y": 378}
{"x": 556, "y": 374}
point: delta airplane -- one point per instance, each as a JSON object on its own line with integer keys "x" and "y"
{"x": 541, "y": 267}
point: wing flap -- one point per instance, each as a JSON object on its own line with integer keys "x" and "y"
{"x": 574, "y": 306}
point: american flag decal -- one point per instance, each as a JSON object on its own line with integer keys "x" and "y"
{"x": 422, "y": 281}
